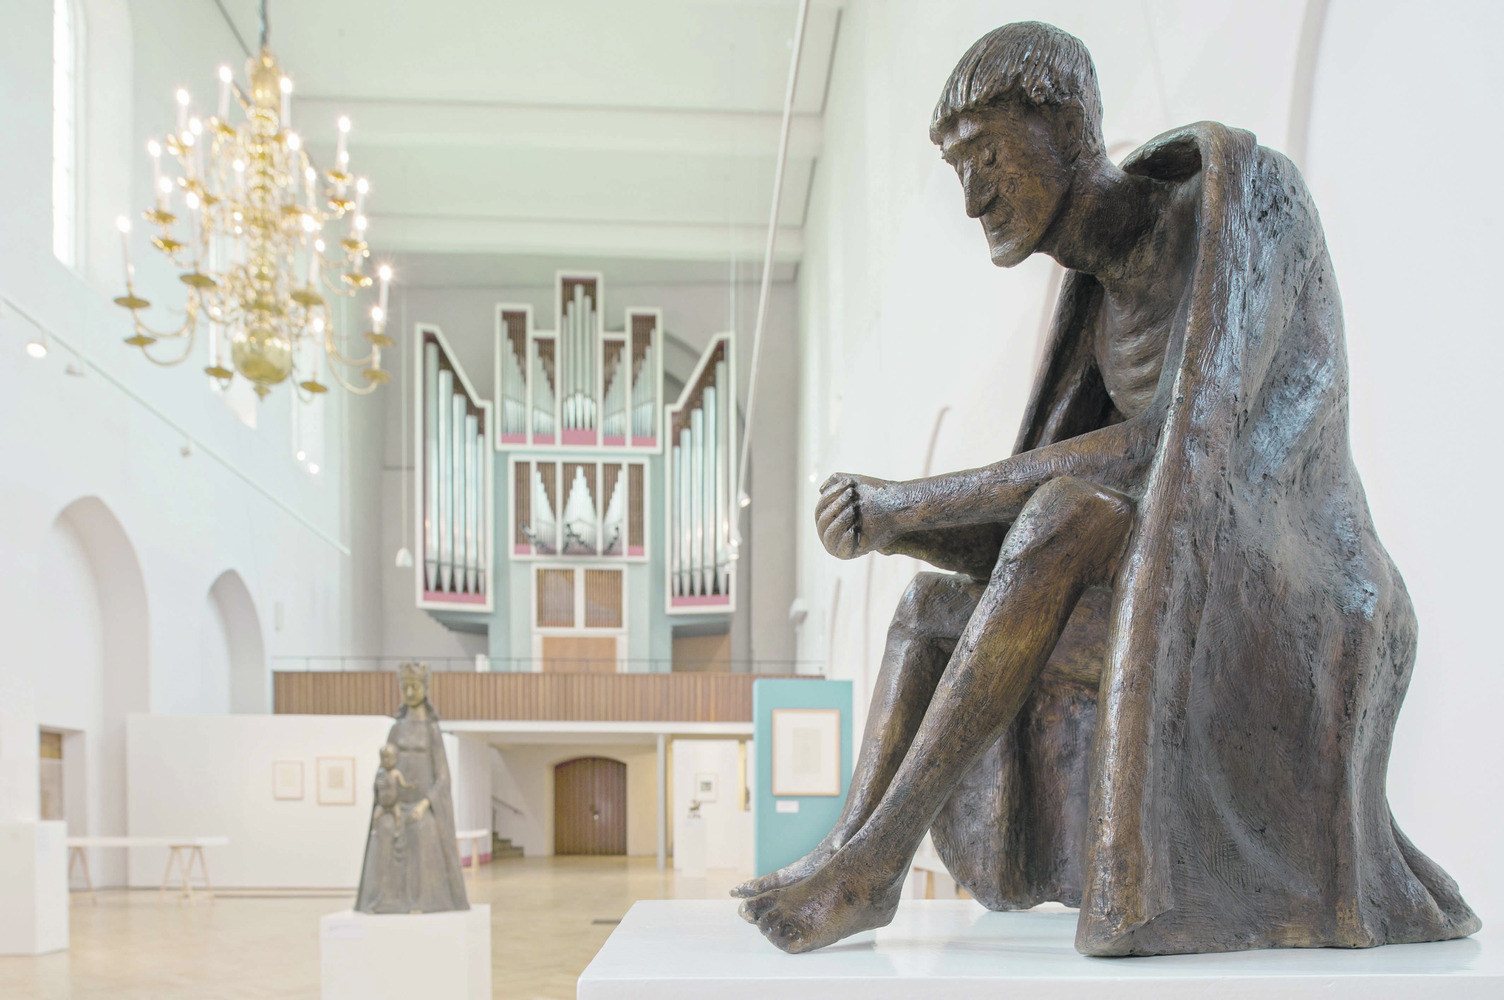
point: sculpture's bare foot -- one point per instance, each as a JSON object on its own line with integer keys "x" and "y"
{"x": 837, "y": 901}
{"x": 789, "y": 874}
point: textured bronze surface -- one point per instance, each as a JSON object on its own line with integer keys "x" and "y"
{"x": 412, "y": 862}
{"x": 1161, "y": 679}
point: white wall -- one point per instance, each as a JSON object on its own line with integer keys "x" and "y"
{"x": 470, "y": 777}
{"x": 1412, "y": 234}
{"x": 188, "y": 517}
{"x": 727, "y": 826}
{"x": 903, "y": 316}
{"x": 523, "y": 776}
{"x": 207, "y": 775}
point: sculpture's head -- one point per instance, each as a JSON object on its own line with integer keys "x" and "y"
{"x": 389, "y": 756}
{"x": 1020, "y": 111}
{"x": 412, "y": 679}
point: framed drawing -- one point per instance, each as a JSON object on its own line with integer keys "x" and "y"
{"x": 707, "y": 786}
{"x": 806, "y": 751}
{"x": 336, "y": 781}
{"x": 287, "y": 780}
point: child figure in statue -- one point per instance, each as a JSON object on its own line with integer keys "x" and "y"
{"x": 385, "y": 893}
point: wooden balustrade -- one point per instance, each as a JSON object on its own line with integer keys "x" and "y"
{"x": 541, "y": 697}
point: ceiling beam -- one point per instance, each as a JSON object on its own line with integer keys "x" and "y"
{"x": 500, "y": 126}
{"x": 662, "y": 241}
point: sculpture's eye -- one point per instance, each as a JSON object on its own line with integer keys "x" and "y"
{"x": 989, "y": 156}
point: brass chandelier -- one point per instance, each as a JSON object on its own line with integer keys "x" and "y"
{"x": 262, "y": 240}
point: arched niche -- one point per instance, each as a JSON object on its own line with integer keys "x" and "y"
{"x": 92, "y": 576}
{"x": 240, "y": 625}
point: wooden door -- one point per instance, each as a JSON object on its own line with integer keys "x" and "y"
{"x": 579, "y": 654}
{"x": 590, "y": 806}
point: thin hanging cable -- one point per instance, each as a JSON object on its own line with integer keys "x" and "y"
{"x": 265, "y": 24}
{"x": 767, "y": 258}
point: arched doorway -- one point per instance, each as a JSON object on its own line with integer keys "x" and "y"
{"x": 235, "y": 613}
{"x": 590, "y": 806}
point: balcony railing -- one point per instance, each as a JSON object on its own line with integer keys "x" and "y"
{"x": 502, "y": 664}
{"x": 517, "y": 696}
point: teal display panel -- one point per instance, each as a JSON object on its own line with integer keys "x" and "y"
{"x": 782, "y": 837}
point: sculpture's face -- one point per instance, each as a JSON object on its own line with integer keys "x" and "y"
{"x": 1013, "y": 173}
{"x": 413, "y": 692}
{"x": 388, "y": 756}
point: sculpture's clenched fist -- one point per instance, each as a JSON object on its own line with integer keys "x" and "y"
{"x": 849, "y": 517}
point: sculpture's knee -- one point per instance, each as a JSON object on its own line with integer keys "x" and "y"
{"x": 914, "y": 607}
{"x": 1067, "y": 521}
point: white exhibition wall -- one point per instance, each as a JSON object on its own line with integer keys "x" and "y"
{"x": 917, "y": 354}
{"x": 129, "y": 491}
{"x": 727, "y": 826}
{"x": 207, "y": 775}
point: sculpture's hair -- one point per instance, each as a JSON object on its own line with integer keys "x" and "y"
{"x": 1029, "y": 59}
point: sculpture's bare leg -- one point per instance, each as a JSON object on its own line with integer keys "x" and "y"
{"x": 930, "y": 618}
{"x": 1069, "y": 537}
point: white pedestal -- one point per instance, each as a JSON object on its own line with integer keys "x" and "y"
{"x": 692, "y": 949}
{"x": 435, "y": 956}
{"x": 690, "y": 848}
{"x": 33, "y": 887}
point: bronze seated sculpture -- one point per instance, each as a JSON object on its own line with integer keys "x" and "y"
{"x": 1160, "y": 680}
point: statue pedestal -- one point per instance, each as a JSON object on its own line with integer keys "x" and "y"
{"x": 436, "y": 956}
{"x": 693, "y": 949}
{"x": 33, "y": 887}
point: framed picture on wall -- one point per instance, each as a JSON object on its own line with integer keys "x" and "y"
{"x": 806, "y": 751}
{"x": 287, "y": 780}
{"x": 336, "y": 781}
{"x": 707, "y": 786}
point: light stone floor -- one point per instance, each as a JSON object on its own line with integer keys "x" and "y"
{"x": 130, "y": 946}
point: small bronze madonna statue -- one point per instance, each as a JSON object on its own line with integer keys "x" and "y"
{"x": 412, "y": 859}
{"x": 1160, "y": 680}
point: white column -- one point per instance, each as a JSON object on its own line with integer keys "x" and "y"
{"x": 662, "y": 801}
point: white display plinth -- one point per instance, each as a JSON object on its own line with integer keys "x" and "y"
{"x": 33, "y": 887}
{"x": 693, "y": 949}
{"x": 435, "y": 956}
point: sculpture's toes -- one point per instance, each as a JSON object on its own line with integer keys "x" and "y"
{"x": 767, "y": 883}
{"x": 785, "y": 932}
{"x": 754, "y": 909}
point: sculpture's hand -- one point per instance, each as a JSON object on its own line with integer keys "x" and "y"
{"x": 420, "y": 809}
{"x": 849, "y": 517}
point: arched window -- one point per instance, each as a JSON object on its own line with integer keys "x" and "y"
{"x": 65, "y": 131}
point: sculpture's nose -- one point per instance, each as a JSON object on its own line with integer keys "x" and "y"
{"x": 978, "y": 196}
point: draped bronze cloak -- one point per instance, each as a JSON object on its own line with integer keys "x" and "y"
{"x": 1223, "y": 786}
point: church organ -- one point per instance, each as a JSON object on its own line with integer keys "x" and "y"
{"x": 587, "y": 438}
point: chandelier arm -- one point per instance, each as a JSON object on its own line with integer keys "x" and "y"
{"x": 186, "y": 330}
{"x": 334, "y": 373}
{"x": 187, "y": 350}
{"x": 334, "y": 353}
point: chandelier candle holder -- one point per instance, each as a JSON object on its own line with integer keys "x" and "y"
{"x": 263, "y": 242}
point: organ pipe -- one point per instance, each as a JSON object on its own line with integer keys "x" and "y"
{"x": 455, "y": 438}
{"x": 472, "y": 505}
{"x": 725, "y": 434}
{"x": 431, "y": 462}
{"x": 702, "y": 440}
{"x": 445, "y": 448}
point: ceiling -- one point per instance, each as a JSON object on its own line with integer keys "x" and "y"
{"x": 498, "y": 129}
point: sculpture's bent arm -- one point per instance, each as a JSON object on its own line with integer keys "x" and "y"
{"x": 1116, "y": 456}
